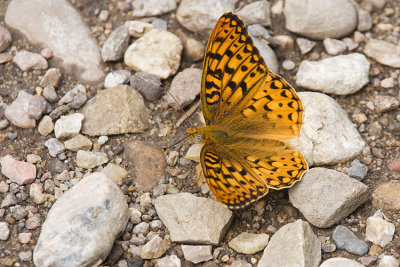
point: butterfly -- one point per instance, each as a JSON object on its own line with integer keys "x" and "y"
{"x": 249, "y": 112}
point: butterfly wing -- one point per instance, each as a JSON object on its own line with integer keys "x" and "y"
{"x": 239, "y": 181}
{"x": 232, "y": 68}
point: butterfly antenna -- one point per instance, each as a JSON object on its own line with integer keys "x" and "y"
{"x": 165, "y": 148}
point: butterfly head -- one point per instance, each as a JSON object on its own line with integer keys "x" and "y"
{"x": 196, "y": 134}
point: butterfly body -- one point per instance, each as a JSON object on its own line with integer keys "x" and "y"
{"x": 250, "y": 113}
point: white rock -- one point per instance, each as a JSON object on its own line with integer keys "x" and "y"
{"x": 114, "y": 47}
{"x": 325, "y": 196}
{"x": 5, "y": 38}
{"x": 267, "y": 54}
{"x": 27, "y": 61}
{"x": 334, "y": 47}
{"x": 116, "y": 77}
{"x": 299, "y": 239}
{"x": 379, "y": 231}
{"x": 58, "y": 25}
{"x": 68, "y": 126}
{"x": 305, "y": 45}
{"x": 148, "y": 8}
{"x": 340, "y": 262}
{"x": 383, "y": 52}
{"x": 150, "y": 54}
{"x": 169, "y": 261}
{"x": 4, "y": 231}
{"x": 90, "y": 159}
{"x": 95, "y": 210}
{"x": 389, "y": 261}
{"x": 191, "y": 219}
{"x": 256, "y": 13}
{"x": 328, "y": 136}
{"x": 17, "y": 112}
{"x": 340, "y": 75}
{"x": 249, "y": 243}
{"x": 193, "y": 152}
{"x": 36, "y": 193}
{"x": 320, "y": 19}
{"x": 137, "y": 28}
{"x": 55, "y": 147}
{"x": 155, "y": 248}
{"x": 197, "y": 254}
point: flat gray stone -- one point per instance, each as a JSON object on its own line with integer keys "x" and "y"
{"x": 114, "y": 47}
{"x": 58, "y": 25}
{"x": 149, "y": 8}
{"x": 17, "y": 112}
{"x": 197, "y": 254}
{"x": 116, "y": 110}
{"x": 90, "y": 159}
{"x": 95, "y": 211}
{"x": 347, "y": 240}
{"x": 325, "y": 196}
{"x": 339, "y": 75}
{"x": 328, "y": 136}
{"x": 193, "y": 220}
{"x": 256, "y": 13}
{"x": 298, "y": 239}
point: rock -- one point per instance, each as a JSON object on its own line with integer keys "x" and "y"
{"x": 326, "y": 196}
{"x": 347, "y": 240}
{"x": 25, "y": 255}
{"x": 193, "y": 152}
{"x": 24, "y": 238}
{"x": 328, "y": 136}
{"x": 150, "y": 54}
{"x": 66, "y": 36}
{"x": 148, "y": 8}
{"x": 385, "y": 103}
{"x": 334, "y": 47}
{"x": 148, "y": 85}
{"x": 357, "y": 170}
{"x": 78, "y": 142}
{"x": 117, "y": 77}
{"x": 383, "y": 52}
{"x": 17, "y": 112}
{"x": 4, "y": 187}
{"x": 184, "y": 88}
{"x": 320, "y": 19}
{"x": 94, "y": 203}
{"x": 18, "y": 171}
{"x": 338, "y": 262}
{"x": 159, "y": 24}
{"x": 18, "y": 212}
{"x": 47, "y": 53}
{"x": 90, "y": 159}
{"x": 27, "y": 61}
{"x": 387, "y": 196}
{"x": 202, "y": 15}
{"x": 351, "y": 45}
{"x": 193, "y": 220}
{"x": 340, "y": 75}
{"x": 149, "y": 164}
{"x": 364, "y": 20}
{"x": 115, "y": 172}
{"x": 155, "y": 248}
{"x": 5, "y": 38}
{"x": 248, "y": 243}
{"x": 68, "y": 126}
{"x": 74, "y": 98}
{"x": 51, "y": 78}
{"x": 169, "y": 261}
{"x": 389, "y": 261}
{"x": 37, "y": 106}
{"x": 379, "y": 231}
{"x": 36, "y": 193}
{"x": 102, "y": 140}
{"x": 287, "y": 64}
{"x": 114, "y": 47}
{"x": 106, "y": 114}
{"x": 267, "y": 54}
{"x": 387, "y": 83}
{"x": 256, "y": 13}
{"x": 137, "y": 28}
{"x": 55, "y": 147}
{"x": 46, "y": 126}
{"x": 296, "y": 237}
{"x": 305, "y": 45}
{"x": 5, "y": 57}
{"x": 141, "y": 228}
{"x": 197, "y": 254}
{"x": 4, "y": 231}
{"x": 49, "y": 93}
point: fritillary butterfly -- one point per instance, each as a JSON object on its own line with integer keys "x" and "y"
{"x": 250, "y": 112}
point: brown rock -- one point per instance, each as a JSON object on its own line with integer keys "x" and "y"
{"x": 149, "y": 164}
{"x": 394, "y": 165}
{"x": 387, "y": 196}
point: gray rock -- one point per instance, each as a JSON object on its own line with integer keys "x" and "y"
{"x": 37, "y": 106}
{"x": 51, "y": 78}
{"x": 116, "y": 110}
{"x": 159, "y": 24}
{"x": 27, "y": 61}
{"x": 357, "y": 170}
{"x": 57, "y": 112}
{"x": 50, "y": 94}
{"x": 347, "y": 240}
{"x": 334, "y": 47}
{"x": 305, "y": 45}
{"x": 66, "y": 36}
{"x": 267, "y": 54}
{"x": 383, "y": 52}
{"x": 364, "y": 20}
{"x": 54, "y": 146}
{"x": 95, "y": 210}
{"x": 18, "y": 212}
{"x": 202, "y": 15}
{"x": 148, "y": 8}
{"x": 328, "y": 136}
{"x": 337, "y": 262}
{"x": 150, "y": 54}
{"x": 5, "y": 38}
{"x": 197, "y": 254}
{"x": 320, "y": 19}
{"x": 68, "y": 126}
{"x": 4, "y": 231}
{"x": 155, "y": 248}
{"x": 115, "y": 172}
{"x": 137, "y": 28}
{"x": 299, "y": 239}
{"x": 193, "y": 220}
{"x": 249, "y": 243}
{"x": 117, "y": 77}
{"x": 8, "y": 200}
{"x": 17, "y": 112}
{"x": 256, "y": 13}
{"x": 114, "y": 47}
{"x": 25, "y": 256}
{"x": 325, "y": 196}
{"x": 340, "y": 75}
{"x": 148, "y": 85}
{"x": 33, "y": 223}
{"x": 74, "y": 98}
{"x": 90, "y": 159}
{"x": 184, "y": 88}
